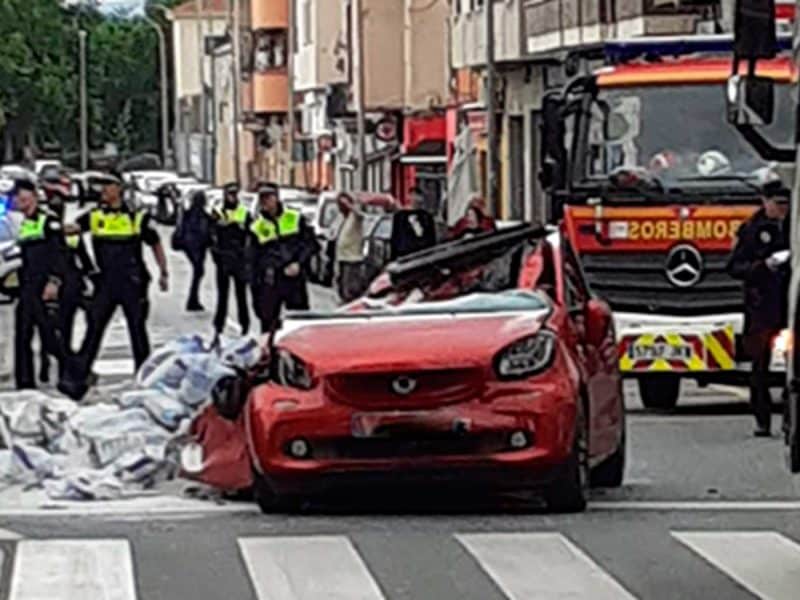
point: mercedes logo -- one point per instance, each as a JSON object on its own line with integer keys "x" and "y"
{"x": 403, "y": 386}
{"x": 684, "y": 266}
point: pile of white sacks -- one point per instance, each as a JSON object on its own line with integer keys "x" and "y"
{"x": 126, "y": 442}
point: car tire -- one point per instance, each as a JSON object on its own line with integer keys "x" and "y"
{"x": 268, "y": 500}
{"x": 660, "y": 393}
{"x": 568, "y": 492}
{"x": 611, "y": 472}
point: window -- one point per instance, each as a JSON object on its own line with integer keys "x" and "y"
{"x": 270, "y": 51}
{"x": 307, "y": 23}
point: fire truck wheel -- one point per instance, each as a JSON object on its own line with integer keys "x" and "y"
{"x": 660, "y": 393}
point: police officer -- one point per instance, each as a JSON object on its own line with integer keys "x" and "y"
{"x": 760, "y": 260}
{"x": 229, "y": 236}
{"x": 78, "y": 268}
{"x": 41, "y": 240}
{"x": 117, "y": 234}
{"x": 281, "y": 245}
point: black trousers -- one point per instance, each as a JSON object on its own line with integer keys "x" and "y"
{"x": 109, "y": 296}
{"x": 31, "y": 314}
{"x": 68, "y": 305}
{"x": 198, "y": 260}
{"x": 226, "y": 274}
{"x": 759, "y": 348}
{"x": 269, "y": 300}
{"x": 350, "y": 280}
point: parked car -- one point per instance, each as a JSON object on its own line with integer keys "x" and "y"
{"x": 302, "y": 200}
{"x": 87, "y": 187}
{"x": 484, "y": 363}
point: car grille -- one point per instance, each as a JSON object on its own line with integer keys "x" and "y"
{"x": 638, "y": 283}
{"x": 418, "y": 446}
{"x": 432, "y": 388}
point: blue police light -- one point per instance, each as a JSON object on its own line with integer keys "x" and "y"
{"x": 5, "y": 205}
{"x": 617, "y": 51}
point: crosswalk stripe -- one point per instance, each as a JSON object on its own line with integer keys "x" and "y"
{"x": 764, "y": 562}
{"x": 120, "y": 366}
{"x": 73, "y": 570}
{"x": 307, "y": 568}
{"x": 530, "y": 566}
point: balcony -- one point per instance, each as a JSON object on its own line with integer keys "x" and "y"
{"x": 270, "y": 91}
{"x": 270, "y": 14}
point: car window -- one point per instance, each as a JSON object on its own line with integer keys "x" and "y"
{"x": 329, "y": 213}
{"x": 383, "y": 229}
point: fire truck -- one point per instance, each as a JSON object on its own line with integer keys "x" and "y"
{"x": 651, "y": 183}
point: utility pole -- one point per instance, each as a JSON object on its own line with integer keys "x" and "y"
{"x": 290, "y": 43}
{"x": 201, "y": 52}
{"x": 235, "y": 26}
{"x": 491, "y": 109}
{"x": 358, "y": 69}
{"x": 82, "y": 35}
{"x": 162, "y": 57}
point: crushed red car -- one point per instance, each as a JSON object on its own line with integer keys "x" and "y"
{"x": 481, "y": 363}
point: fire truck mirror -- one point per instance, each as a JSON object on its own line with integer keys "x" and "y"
{"x": 751, "y": 100}
{"x": 617, "y": 127}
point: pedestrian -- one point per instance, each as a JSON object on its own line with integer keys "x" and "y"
{"x": 117, "y": 234}
{"x": 349, "y": 247}
{"x": 79, "y": 268}
{"x": 41, "y": 241}
{"x": 474, "y": 222}
{"x": 760, "y": 260}
{"x": 281, "y": 245}
{"x": 231, "y": 222}
{"x": 195, "y": 234}
{"x": 413, "y": 228}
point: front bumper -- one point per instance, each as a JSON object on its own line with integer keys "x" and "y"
{"x": 724, "y": 366}
{"x": 466, "y": 444}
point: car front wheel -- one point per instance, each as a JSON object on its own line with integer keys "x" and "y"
{"x": 568, "y": 492}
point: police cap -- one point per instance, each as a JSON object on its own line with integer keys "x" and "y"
{"x": 777, "y": 191}
{"x": 267, "y": 189}
{"x": 24, "y": 185}
{"x": 231, "y": 188}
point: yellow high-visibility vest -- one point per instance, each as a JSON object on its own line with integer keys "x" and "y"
{"x": 265, "y": 230}
{"x": 115, "y": 225}
{"x": 32, "y": 230}
{"x": 73, "y": 240}
{"x": 234, "y": 216}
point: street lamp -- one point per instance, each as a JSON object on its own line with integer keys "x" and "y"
{"x": 162, "y": 53}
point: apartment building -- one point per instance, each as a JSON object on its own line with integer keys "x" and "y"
{"x": 403, "y": 70}
{"x": 532, "y": 38}
{"x": 193, "y": 22}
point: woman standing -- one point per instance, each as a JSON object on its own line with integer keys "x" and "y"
{"x": 195, "y": 240}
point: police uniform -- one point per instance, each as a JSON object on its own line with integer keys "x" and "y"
{"x": 117, "y": 236}
{"x": 765, "y": 302}
{"x": 41, "y": 242}
{"x": 229, "y": 234}
{"x": 276, "y": 243}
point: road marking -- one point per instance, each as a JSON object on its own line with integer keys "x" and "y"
{"x": 700, "y": 505}
{"x": 7, "y": 534}
{"x": 766, "y": 563}
{"x": 307, "y": 568}
{"x": 73, "y": 570}
{"x": 108, "y": 367}
{"x": 530, "y": 566}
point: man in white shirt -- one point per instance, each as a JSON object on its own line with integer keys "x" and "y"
{"x": 349, "y": 248}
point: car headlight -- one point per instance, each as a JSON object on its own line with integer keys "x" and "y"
{"x": 526, "y": 357}
{"x": 291, "y": 371}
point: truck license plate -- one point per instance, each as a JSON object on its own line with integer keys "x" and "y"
{"x": 659, "y": 350}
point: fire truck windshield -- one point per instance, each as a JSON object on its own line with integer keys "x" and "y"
{"x": 677, "y": 133}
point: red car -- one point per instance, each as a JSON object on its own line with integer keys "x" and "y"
{"x": 484, "y": 362}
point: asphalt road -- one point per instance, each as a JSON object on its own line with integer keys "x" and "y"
{"x": 707, "y": 511}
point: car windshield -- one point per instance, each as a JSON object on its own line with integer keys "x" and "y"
{"x": 678, "y": 133}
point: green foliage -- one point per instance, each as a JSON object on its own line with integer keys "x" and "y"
{"x": 39, "y": 96}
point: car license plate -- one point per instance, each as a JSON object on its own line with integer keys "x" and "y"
{"x": 660, "y": 350}
{"x": 365, "y": 425}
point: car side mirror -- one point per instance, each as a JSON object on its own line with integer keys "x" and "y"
{"x": 751, "y": 100}
{"x": 598, "y": 322}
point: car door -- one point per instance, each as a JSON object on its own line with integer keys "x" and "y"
{"x": 600, "y": 358}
